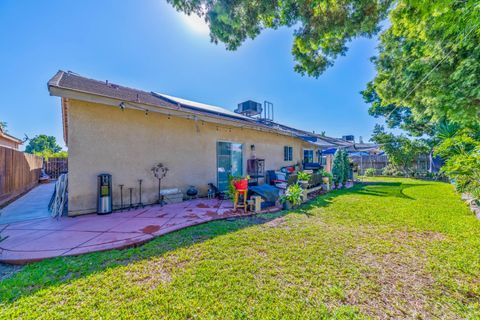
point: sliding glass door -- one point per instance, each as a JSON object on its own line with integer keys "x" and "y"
{"x": 229, "y": 162}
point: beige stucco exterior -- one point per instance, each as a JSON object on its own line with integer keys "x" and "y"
{"x": 126, "y": 144}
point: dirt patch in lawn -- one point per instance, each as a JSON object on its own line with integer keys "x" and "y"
{"x": 153, "y": 273}
{"x": 278, "y": 222}
{"x": 396, "y": 282}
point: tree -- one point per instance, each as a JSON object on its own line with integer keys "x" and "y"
{"x": 429, "y": 62}
{"x": 346, "y": 167}
{"x": 429, "y": 58}
{"x": 401, "y": 151}
{"x": 322, "y": 27}
{"x": 3, "y": 126}
{"x": 338, "y": 167}
{"x": 43, "y": 144}
{"x": 397, "y": 116}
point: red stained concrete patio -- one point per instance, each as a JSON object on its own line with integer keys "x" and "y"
{"x": 39, "y": 239}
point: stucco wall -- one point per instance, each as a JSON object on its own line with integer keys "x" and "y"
{"x": 128, "y": 143}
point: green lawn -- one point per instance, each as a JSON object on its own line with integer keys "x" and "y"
{"x": 399, "y": 248}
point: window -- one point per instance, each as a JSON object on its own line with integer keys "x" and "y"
{"x": 323, "y": 160}
{"x": 287, "y": 153}
{"x": 307, "y": 155}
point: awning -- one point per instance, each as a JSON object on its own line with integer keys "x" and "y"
{"x": 319, "y": 142}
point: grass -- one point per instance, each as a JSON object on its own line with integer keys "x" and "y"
{"x": 395, "y": 248}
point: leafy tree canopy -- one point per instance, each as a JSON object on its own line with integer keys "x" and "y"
{"x": 397, "y": 116}
{"x": 401, "y": 150}
{"x": 322, "y": 27}
{"x": 428, "y": 66}
{"x": 43, "y": 143}
{"x": 3, "y": 126}
{"x": 429, "y": 58}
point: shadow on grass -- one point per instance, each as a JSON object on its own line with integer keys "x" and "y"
{"x": 64, "y": 270}
{"x": 378, "y": 189}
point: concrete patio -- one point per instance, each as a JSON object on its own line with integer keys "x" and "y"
{"x": 39, "y": 239}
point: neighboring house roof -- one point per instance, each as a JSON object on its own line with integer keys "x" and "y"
{"x": 72, "y": 82}
{"x": 6, "y": 136}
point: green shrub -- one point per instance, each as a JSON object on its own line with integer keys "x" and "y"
{"x": 370, "y": 172}
{"x": 462, "y": 161}
{"x": 338, "y": 171}
{"x": 47, "y": 154}
{"x": 391, "y": 170}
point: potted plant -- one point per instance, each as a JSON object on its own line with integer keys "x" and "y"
{"x": 292, "y": 197}
{"x": 326, "y": 176}
{"x": 240, "y": 183}
{"x": 303, "y": 178}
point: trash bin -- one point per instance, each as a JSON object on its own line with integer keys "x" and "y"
{"x": 104, "y": 202}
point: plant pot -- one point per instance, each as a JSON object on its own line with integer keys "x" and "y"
{"x": 303, "y": 184}
{"x": 287, "y": 205}
{"x": 192, "y": 191}
{"x": 325, "y": 180}
{"x": 241, "y": 184}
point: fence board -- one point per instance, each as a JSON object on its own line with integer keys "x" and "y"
{"x": 54, "y": 167}
{"x": 19, "y": 172}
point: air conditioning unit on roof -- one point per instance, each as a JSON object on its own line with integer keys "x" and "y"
{"x": 249, "y": 108}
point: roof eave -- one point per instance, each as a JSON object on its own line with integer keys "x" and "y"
{"x": 69, "y": 93}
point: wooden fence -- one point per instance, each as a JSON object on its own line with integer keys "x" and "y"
{"x": 54, "y": 167}
{"x": 19, "y": 172}
{"x": 378, "y": 162}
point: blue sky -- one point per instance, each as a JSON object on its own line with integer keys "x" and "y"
{"x": 148, "y": 45}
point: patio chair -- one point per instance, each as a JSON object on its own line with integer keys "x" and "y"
{"x": 280, "y": 179}
{"x": 276, "y": 178}
{"x": 292, "y": 179}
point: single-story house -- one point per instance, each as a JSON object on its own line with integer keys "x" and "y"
{"x": 9, "y": 141}
{"x": 122, "y": 131}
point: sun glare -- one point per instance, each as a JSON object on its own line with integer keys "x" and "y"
{"x": 196, "y": 23}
